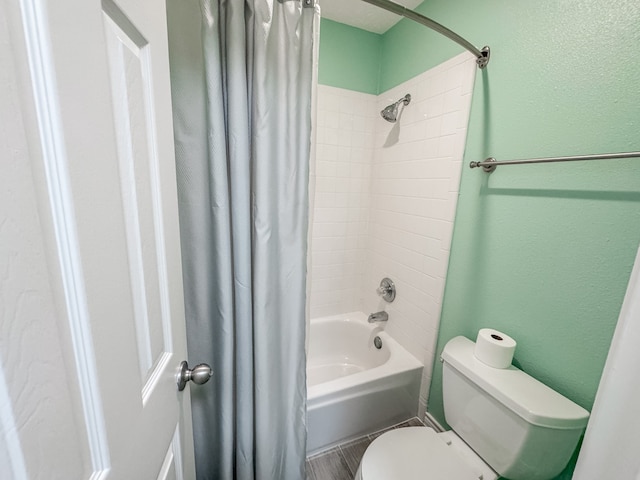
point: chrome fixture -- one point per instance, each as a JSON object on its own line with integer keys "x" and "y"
{"x": 490, "y": 164}
{"x": 377, "y": 342}
{"x": 387, "y": 290}
{"x": 378, "y": 317}
{"x": 390, "y": 113}
{"x": 482, "y": 56}
{"x": 199, "y": 374}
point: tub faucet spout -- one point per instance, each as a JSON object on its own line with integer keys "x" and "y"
{"x": 378, "y": 317}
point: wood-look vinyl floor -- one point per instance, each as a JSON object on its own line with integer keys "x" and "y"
{"x": 341, "y": 462}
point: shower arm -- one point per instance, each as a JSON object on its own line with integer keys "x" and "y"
{"x": 404, "y": 100}
{"x": 482, "y": 56}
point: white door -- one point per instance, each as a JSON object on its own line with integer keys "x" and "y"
{"x": 91, "y": 306}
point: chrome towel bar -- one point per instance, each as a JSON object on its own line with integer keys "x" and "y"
{"x": 490, "y": 164}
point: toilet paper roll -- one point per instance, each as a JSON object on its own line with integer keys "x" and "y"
{"x": 494, "y": 348}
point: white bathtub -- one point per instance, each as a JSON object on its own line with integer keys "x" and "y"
{"x": 353, "y": 388}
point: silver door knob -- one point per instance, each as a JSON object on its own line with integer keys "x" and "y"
{"x": 199, "y": 374}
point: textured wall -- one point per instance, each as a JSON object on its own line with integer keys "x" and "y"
{"x": 349, "y": 57}
{"x": 541, "y": 252}
{"x": 552, "y": 245}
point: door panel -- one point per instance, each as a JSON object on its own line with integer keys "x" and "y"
{"x": 93, "y": 83}
{"x": 129, "y": 66}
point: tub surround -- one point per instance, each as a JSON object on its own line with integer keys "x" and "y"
{"x": 389, "y": 210}
{"x": 344, "y": 155}
{"x": 414, "y": 192}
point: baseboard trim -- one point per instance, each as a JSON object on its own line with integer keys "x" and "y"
{"x": 430, "y": 421}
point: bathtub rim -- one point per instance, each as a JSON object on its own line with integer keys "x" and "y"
{"x": 400, "y": 360}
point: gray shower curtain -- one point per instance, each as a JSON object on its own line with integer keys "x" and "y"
{"x": 241, "y": 74}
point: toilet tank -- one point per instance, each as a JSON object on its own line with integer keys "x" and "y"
{"x": 523, "y": 429}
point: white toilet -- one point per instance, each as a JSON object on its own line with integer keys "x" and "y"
{"x": 505, "y": 424}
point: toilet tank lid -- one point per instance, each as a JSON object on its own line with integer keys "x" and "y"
{"x": 524, "y": 395}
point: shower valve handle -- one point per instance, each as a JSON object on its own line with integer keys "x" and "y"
{"x": 382, "y": 290}
{"x": 387, "y": 290}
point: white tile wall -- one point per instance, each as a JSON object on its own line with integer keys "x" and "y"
{"x": 386, "y": 199}
{"x": 344, "y": 158}
{"x": 414, "y": 190}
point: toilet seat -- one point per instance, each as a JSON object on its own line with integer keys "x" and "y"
{"x": 413, "y": 453}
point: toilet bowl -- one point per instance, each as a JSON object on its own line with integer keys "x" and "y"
{"x": 504, "y": 424}
{"x": 419, "y": 453}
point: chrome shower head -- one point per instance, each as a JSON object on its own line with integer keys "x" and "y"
{"x": 390, "y": 113}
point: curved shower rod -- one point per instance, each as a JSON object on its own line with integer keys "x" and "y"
{"x": 482, "y": 56}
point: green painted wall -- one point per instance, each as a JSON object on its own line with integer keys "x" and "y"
{"x": 349, "y": 57}
{"x": 543, "y": 253}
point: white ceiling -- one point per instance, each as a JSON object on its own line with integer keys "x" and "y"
{"x": 363, "y": 15}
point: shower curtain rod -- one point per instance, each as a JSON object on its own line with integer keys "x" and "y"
{"x": 490, "y": 164}
{"x": 482, "y": 56}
